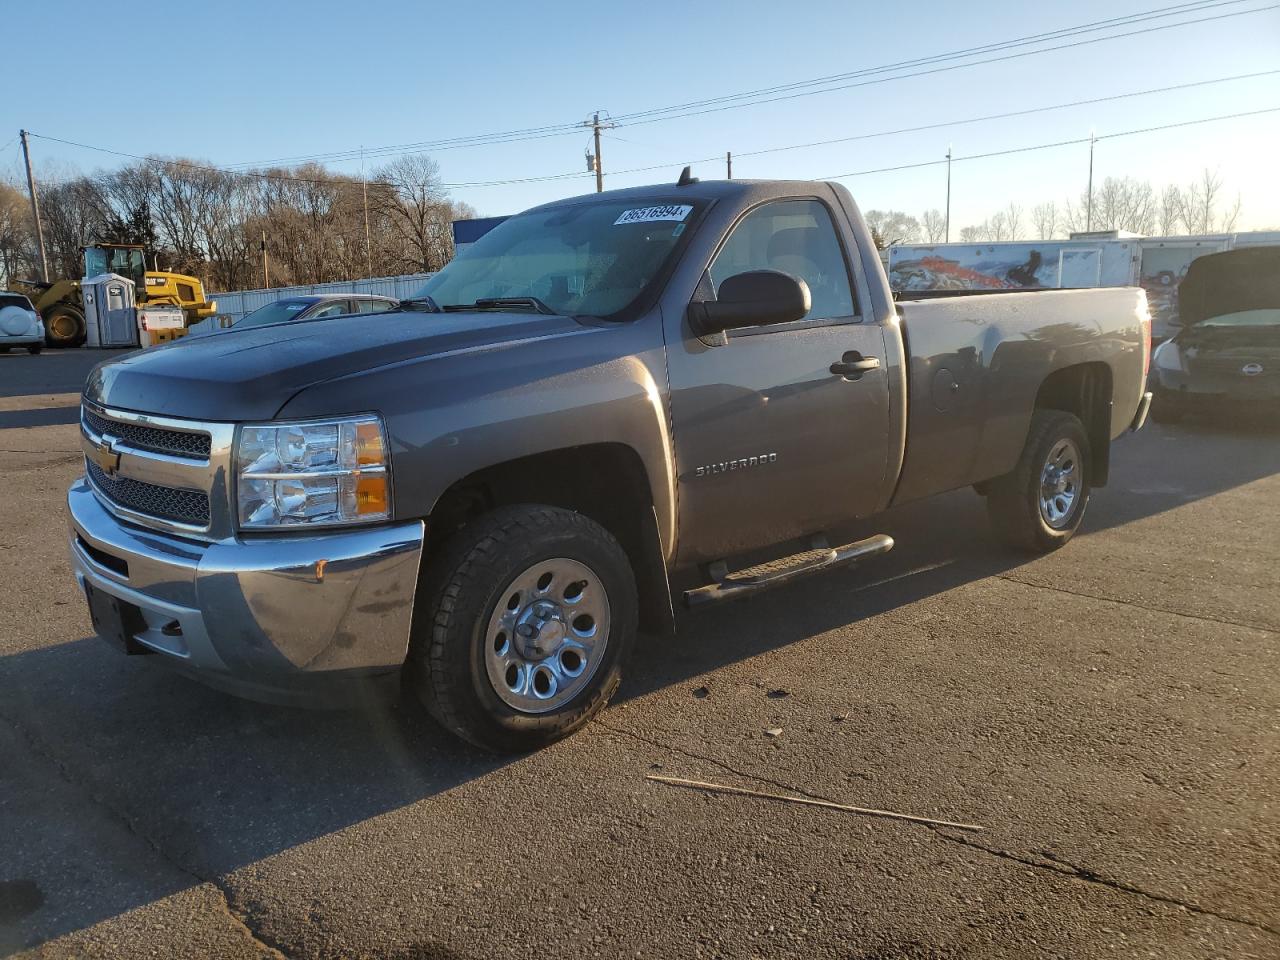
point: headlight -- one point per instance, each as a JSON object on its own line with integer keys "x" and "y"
{"x": 312, "y": 473}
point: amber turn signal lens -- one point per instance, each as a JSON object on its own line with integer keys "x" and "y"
{"x": 371, "y": 494}
{"x": 369, "y": 451}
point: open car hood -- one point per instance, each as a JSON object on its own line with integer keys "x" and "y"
{"x": 1230, "y": 282}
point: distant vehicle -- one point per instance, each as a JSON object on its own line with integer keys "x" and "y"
{"x": 293, "y": 309}
{"x": 20, "y": 325}
{"x": 60, "y": 302}
{"x": 314, "y": 308}
{"x": 1226, "y": 356}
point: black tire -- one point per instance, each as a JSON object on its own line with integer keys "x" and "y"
{"x": 1167, "y": 408}
{"x": 461, "y": 589}
{"x": 4, "y": 349}
{"x": 64, "y": 326}
{"x": 35, "y": 348}
{"x": 1014, "y": 500}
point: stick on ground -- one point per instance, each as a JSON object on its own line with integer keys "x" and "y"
{"x": 807, "y": 801}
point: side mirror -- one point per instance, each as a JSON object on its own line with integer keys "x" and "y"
{"x": 751, "y": 299}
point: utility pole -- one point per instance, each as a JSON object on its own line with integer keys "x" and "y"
{"x": 35, "y": 207}
{"x": 266, "y": 277}
{"x": 368, "y": 248}
{"x": 947, "y": 239}
{"x": 728, "y": 165}
{"x": 596, "y": 126}
{"x": 1088, "y": 217}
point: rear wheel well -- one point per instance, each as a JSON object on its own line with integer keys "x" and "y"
{"x": 605, "y": 481}
{"x": 1084, "y": 390}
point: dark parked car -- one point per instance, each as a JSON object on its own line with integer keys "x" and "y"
{"x": 314, "y": 308}
{"x": 1227, "y": 354}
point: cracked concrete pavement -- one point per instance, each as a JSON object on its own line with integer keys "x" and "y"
{"x": 1108, "y": 713}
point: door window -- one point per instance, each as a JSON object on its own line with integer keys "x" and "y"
{"x": 795, "y": 237}
{"x": 334, "y": 309}
{"x": 373, "y": 306}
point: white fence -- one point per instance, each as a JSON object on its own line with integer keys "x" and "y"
{"x": 235, "y": 305}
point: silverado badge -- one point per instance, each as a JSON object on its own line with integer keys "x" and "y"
{"x": 742, "y": 463}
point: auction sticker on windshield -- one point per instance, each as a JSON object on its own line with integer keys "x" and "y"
{"x": 670, "y": 211}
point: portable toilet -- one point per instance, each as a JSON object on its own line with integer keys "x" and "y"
{"x": 110, "y": 318}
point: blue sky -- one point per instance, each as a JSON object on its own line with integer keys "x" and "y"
{"x": 235, "y": 82}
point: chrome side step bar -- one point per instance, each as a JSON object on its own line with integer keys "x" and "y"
{"x": 742, "y": 583}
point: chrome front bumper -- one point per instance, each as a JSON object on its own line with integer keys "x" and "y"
{"x": 266, "y": 617}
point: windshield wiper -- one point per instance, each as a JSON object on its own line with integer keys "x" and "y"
{"x": 501, "y": 303}
{"x": 423, "y": 303}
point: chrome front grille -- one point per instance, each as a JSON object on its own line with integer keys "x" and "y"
{"x": 176, "y": 443}
{"x": 160, "y": 472}
{"x": 189, "y": 507}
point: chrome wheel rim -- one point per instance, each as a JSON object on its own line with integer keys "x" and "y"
{"x": 1060, "y": 484}
{"x": 547, "y": 635}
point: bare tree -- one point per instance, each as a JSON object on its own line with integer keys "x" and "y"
{"x": 1123, "y": 203}
{"x": 934, "y": 224}
{"x": 16, "y": 261}
{"x": 998, "y": 227}
{"x": 973, "y": 234}
{"x": 415, "y": 203}
{"x": 1169, "y": 214}
{"x": 1013, "y": 220}
{"x": 1227, "y": 222}
{"x": 893, "y": 226}
{"x": 1044, "y": 219}
{"x": 1199, "y": 201}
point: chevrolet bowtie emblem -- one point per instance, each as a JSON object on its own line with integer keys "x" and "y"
{"x": 105, "y": 455}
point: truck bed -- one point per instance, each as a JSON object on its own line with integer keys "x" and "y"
{"x": 977, "y": 361}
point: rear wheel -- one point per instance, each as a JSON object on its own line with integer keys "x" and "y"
{"x": 35, "y": 348}
{"x": 1038, "y": 506}
{"x": 530, "y": 613}
{"x": 64, "y": 326}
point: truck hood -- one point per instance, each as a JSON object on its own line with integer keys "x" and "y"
{"x": 250, "y": 374}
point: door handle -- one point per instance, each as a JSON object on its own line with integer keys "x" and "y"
{"x": 853, "y": 365}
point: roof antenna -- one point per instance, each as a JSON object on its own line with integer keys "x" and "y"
{"x": 686, "y": 177}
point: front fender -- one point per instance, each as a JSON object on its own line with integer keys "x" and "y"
{"x": 451, "y": 416}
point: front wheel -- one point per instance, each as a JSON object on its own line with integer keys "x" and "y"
{"x": 64, "y": 326}
{"x": 1038, "y": 506}
{"x": 530, "y": 614}
{"x": 35, "y": 348}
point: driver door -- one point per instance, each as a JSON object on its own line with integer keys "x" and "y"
{"x": 770, "y": 443}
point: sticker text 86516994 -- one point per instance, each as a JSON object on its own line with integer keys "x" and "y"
{"x": 670, "y": 211}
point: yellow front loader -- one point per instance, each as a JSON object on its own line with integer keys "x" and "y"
{"x": 60, "y": 302}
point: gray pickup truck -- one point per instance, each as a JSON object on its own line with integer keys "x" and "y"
{"x": 686, "y": 391}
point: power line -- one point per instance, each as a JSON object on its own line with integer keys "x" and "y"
{"x": 1012, "y": 113}
{"x": 944, "y": 69}
{"x": 1058, "y": 143}
{"x": 1093, "y": 26}
{"x": 679, "y": 111}
{"x": 507, "y": 181}
{"x": 674, "y": 164}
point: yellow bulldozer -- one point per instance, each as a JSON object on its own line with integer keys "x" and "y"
{"x": 61, "y": 306}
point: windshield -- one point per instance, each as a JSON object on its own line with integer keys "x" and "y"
{"x": 277, "y": 312}
{"x": 1244, "y": 318}
{"x": 590, "y": 258}
{"x": 125, "y": 261}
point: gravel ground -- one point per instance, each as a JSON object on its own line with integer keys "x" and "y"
{"x": 1108, "y": 713}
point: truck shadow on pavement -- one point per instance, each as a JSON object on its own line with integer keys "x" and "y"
{"x": 213, "y": 784}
